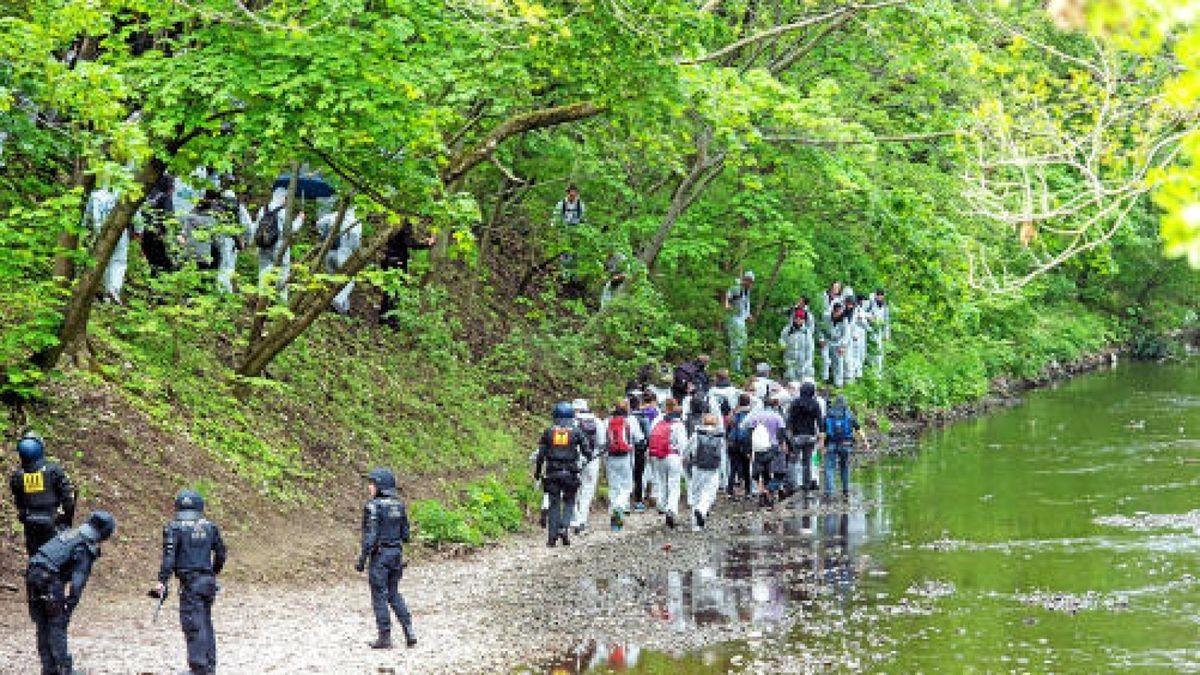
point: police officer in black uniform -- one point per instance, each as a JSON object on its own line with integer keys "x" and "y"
{"x": 194, "y": 552}
{"x": 66, "y": 559}
{"x": 42, "y": 493}
{"x": 560, "y": 452}
{"x": 384, "y": 533}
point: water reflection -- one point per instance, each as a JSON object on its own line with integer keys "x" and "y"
{"x": 756, "y": 576}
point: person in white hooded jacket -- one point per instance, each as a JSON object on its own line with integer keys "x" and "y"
{"x": 346, "y": 241}
{"x": 594, "y": 431}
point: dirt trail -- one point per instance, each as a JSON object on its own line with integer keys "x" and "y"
{"x": 514, "y": 604}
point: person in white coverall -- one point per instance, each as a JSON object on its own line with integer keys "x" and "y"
{"x": 593, "y": 429}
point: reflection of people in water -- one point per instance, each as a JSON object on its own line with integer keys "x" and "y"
{"x": 837, "y": 554}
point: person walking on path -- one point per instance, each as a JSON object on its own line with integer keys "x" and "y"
{"x": 384, "y": 533}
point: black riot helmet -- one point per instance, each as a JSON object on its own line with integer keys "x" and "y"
{"x": 189, "y": 504}
{"x": 99, "y": 526}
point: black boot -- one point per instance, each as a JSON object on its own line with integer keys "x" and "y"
{"x": 699, "y": 517}
{"x": 545, "y": 515}
{"x": 670, "y": 520}
{"x": 384, "y": 641}
{"x": 566, "y": 539}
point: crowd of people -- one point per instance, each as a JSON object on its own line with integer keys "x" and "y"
{"x": 846, "y": 329}
{"x": 199, "y": 220}
{"x": 762, "y": 441}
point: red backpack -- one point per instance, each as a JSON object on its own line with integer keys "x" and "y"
{"x": 618, "y": 436}
{"x": 660, "y": 439}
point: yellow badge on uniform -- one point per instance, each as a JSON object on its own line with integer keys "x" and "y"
{"x": 35, "y": 482}
{"x": 561, "y": 438}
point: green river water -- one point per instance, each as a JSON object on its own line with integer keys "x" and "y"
{"x": 1061, "y": 535}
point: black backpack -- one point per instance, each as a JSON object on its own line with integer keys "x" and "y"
{"x": 267, "y": 234}
{"x": 708, "y": 451}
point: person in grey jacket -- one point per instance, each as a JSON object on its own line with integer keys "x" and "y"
{"x": 839, "y": 345}
{"x": 825, "y": 327}
{"x": 796, "y": 338}
{"x": 879, "y": 315}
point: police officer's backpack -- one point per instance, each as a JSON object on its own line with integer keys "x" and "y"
{"x": 563, "y": 455}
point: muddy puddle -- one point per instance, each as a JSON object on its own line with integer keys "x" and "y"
{"x": 1058, "y": 536}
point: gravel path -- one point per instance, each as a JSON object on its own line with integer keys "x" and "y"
{"x": 517, "y": 603}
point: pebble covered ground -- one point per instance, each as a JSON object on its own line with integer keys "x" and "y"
{"x": 517, "y": 603}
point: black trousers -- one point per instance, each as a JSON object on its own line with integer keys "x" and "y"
{"x": 197, "y": 591}
{"x": 37, "y": 535}
{"x": 739, "y": 467}
{"x": 562, "y": 490}
{"x": 387, "y": 567}
{"x": 46, "y": 596}
{"x": 639, "y": 471}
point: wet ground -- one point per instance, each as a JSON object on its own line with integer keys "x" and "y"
{"x": 1062, "y": 535}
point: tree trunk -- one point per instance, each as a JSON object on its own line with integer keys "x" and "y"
{"x": 83, "y": 297}
{"x": 702, "y": 172}
{"x": 769, "y": 287}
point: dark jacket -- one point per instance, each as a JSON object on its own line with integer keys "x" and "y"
{"x": 191, "y": 544}
{"x": 68, "y": 557}
{"x": 560, "y": 450}
{"x": 396, "y": 251}
{"x": 39, "y": 490}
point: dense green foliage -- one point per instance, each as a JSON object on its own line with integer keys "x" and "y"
{"x": 913, "y": 145}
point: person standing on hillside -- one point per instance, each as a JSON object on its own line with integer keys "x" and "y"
{"x": 193, "y": 551}
{"x": 396, "y": 253}
{"x": 570, "y": 210}
{"x": 54, "y": 583}
{"x": 879, "y": 313}
{"x": 828, "y": 299}
{"x": 384, "y": 534}
{"x": 738, "y": 309}
{"x": 796, "y": 338}
{"x": 42, "y": 494}
{"x": 561, "y": 451}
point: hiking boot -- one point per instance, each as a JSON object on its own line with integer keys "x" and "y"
{"x": 552, "y": 542}
{"x": 384, "y": 641}
{"x": 544, "y": 518}
{"x": 565, "y": 539}
{"x": 410, "y": 637}
{"x": 671, "y": 520}
{"x": 699, "y": 517}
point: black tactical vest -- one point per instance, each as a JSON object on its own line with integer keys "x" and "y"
{"x": 40, "y": 491}
{"x": 57, "y": 552}
{"x": 193, "y": 544}
{"x": 390, "y": 516}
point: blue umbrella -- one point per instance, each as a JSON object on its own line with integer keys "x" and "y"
{"x": 309, "y": 186}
